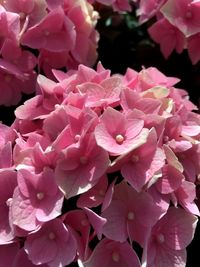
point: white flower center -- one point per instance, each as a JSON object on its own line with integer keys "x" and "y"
{"x": 131, "y": 216}
{"x": 160, "y": 238}
{"x": 84, "y": 222}
{"x": 40, "y": 195}
{"x": 119, "y": 139}
{"x": 9, "y": 201}
{"x": 115, "y": 256}
{"x": 46, "y": 33}
{"x": 77, "y": 137}
{"x": 52, "y": 236}
{"x": 134, "y": 158}
{"x": 188, "y": 14}
{"x": 22, "y": 15}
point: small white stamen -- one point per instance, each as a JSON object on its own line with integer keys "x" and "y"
{"x": 115, "y": 256}
{"x": 22, "y": 15}
{"x": 131, "y": 216}
{"x": 52, "y": 236}
{"x": 119, "y": 139}
{"x": 84, "y": 222}
{"x": 188, "y": 14}
{"x": 77, "y": 137}
{"x": 160, "y": 238}
{"x": 40, "y": 195}
{"x": 9, "y": 201}
{"x": 134, "y": 158}
{"x": 46, "y": 33}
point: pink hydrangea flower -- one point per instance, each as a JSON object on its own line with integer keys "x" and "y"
{"x": 183, "y": 14}
{"x": 118, "y": 133}
{"x": 81, "y": 167}
{"x": 57, "y": 143}
{"x": 168, "y": 36}
{"x": 185, "y": 195}
{"x": 9, "y": 25}
{"x": 126, "y": 217}
{"x": 148, "y": 9}
{"x": 109, "y": 253}
{"x": 8, "y": 181}
{"x": 169, "y": 238}
{"x": 59, "y": 240}
{"x": 29, "y": 11}
{"x": 54, "y": 33}
{"x": 140, "y": 164}
{"x": 22, "y": 259}
{"x": 102, "y": 95}
{"x": 80, "y": 225}
{"x": 33, "y": 202}
{"x": 192, "y": 43}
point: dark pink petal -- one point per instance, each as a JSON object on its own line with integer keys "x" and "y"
{"x": 22, "y": 259}
{"x": 178, "y": 228}
{"x": 167, "y": 257}
{"x": 95, "y": 196}
{"x": 113, "y": 254}
{"x": 170, "y": 181}
{"x": 193, "y": 50}
{"x": 96, "y": 221}
{"x": 59, "y": 240}
{"x": 8, "y": 253}
{"x": 23, "y": 213}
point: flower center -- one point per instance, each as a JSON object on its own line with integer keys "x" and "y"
{"x": 131, "y": 216}
{"x": 84, "y": 222}
{"x": 77, "y": 137}
{"x": 7, "y": 78}
{"x": 46, "y": 33}
{"x": 119, "y": 139}
{"x": 83, "y": 160}
{"x": 40, "y": 195}
{"x": 160, "y": 238}
{"x": 52, "y": 236}
{"x": 115, "y": 256}
{"x": 165, "y": 138}
{"x": 22, "y": 15}
{"x": 9, "y": 201}
{"x": 188, "y": 14}
{"x": 134, "y": 158}
{"x": 101, "y": 193}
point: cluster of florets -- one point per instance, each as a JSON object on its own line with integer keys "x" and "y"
{"x": 125, "y": 150}
{"x": 177, "y": 26}
{"x": 40, "y": 35}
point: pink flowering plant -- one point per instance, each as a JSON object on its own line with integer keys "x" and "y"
{"x": 97, "y": 169}
{"x": 177, "y": 25}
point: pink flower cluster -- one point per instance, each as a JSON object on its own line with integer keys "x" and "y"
{"x": 45, "y": 34}
{"x": 125, "y": 149}
{"x": 177, "y": 26}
